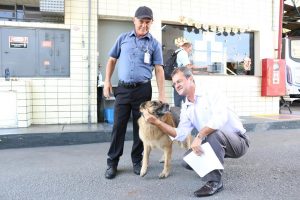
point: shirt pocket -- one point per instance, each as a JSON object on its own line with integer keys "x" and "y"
{"x": 127, "y": 46}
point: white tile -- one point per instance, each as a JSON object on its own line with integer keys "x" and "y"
{"x": 23, "y": 124}
{"x": 51, "y": 115}
{"x": 53, "y": 108}
{"x": 62, "y": 102}
{"x": 64, "y": 120}
{"x": 64, "y": 115}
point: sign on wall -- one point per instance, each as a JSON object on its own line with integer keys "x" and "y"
{"x": 18, "y": 42}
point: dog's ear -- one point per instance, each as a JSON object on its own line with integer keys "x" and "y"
{"x": 142, "y": 106}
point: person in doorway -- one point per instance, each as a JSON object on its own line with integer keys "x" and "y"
{"x": 247, "y": 65}
{"x": 216, "y": 124}
{"x": 99, "y": 94}
{"x": 183, "y": 60}
{"x": 138, "y": 53}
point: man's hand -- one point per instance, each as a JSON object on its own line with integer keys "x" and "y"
{"x": 164, "y": 127}
{"x": 196, "y": 146}
{"x": 107, "y": 89}
{"x": 150, "y": 118}
{"x": 162, "y": 98}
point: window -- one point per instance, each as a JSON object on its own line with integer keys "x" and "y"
{"x": 295, "y": 49}
{"x": 220, "y": 52}
{"x": 31, "y": 13}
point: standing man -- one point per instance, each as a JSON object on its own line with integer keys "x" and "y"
{"x": 216, "y": 124}
{"x": 138, "y": 53}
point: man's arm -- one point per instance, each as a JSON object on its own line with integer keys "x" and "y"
{"x": 110, "y": 67}
{"x": 166, "y": 128}
{"x": 160, "y": 80}
{"x": 196, "y": 144}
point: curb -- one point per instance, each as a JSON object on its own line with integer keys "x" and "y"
{"x": 60, "y": 138}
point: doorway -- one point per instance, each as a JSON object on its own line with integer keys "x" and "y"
{"x": 108, "y": 32}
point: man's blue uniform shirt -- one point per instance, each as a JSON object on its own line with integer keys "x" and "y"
{"x": 130, "y": 52}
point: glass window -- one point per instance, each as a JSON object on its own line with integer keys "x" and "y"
{"x": 295, "y": 49}
{"x": 28, "y": 14}
{"x": 220, "y": 52}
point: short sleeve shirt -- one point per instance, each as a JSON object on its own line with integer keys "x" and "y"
{"x": 182, "y": 58}
{"x": 130, "y": 52}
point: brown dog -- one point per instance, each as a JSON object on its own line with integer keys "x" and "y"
{"x": 153, "y": 137}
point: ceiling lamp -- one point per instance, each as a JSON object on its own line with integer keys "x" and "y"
{"x": 225, "y": 31}
{"x": 212, "y": 28}
{"x": 241, "y": 30}
{"x": 232, "y": 33}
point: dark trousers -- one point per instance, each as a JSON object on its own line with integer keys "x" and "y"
{"x": 178, "y": 99}
{"x": 128, "y": 101}
{"x": 231, "y": 145}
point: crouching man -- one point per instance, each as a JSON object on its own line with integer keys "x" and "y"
{"x": 217, "y": 124}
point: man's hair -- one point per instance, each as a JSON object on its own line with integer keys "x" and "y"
{"x": 185, "y": 70}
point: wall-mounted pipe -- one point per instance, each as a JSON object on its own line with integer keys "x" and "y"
{"x": 89, "y": 62}
{"x": 280, "y": 29}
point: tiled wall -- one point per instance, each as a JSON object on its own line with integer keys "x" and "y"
{"x": 243, "y": 93}
{"x": 66, "y": 100}
{"x": 261, "y": 17}
{"x": 63, "y": 100}
{"x": 21, "y": 99}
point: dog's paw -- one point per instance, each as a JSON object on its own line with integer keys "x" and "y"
{"x": 143, "y": 172}
{"x": 163, "y": 175}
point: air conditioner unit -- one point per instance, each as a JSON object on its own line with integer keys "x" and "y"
{"x": 52, "y": 6}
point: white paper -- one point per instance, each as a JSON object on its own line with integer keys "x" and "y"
{"x": 207, "y": 162}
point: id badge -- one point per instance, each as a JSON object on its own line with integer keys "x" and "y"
{"x": 147, "y": 57}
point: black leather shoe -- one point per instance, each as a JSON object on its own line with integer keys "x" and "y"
{"x": 210, "y": 188}
{"x": 111, "y": 172}
{"x": 137, "y": 168}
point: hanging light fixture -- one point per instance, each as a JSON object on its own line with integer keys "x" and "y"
{"x": 225, "y": 32}
{"x": 241, "y": 30}
{"x": 189, "y": 29}
{"x": 231, "y": 32}
{"x": 218, "y": 32}
{"x": 212, "y": 28}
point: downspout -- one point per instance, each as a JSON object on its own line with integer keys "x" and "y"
{"x": 89, "y": 62}
{"x": 280, "y": 29}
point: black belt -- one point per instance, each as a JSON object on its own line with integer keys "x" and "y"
{"x": 131, "y": 85}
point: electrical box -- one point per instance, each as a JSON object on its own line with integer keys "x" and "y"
{"x": 18, "y": 51}
{"x": 34, "y": 52}
{"x": 273, "y": 77}
{"x": 53, "y": 56}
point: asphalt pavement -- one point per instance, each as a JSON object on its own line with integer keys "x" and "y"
{"x": 269, "y": 170}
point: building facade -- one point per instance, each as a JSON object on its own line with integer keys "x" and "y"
{"x": 70, "y": 96}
